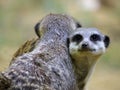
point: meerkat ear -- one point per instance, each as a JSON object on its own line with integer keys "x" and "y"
{"x": 68, "y": 42}
{"x": 78, "y": 25}
{"x": 37, "y": 29}
{"x": 106, "y": 41}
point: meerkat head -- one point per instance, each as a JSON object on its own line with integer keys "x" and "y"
{"x": 88, "y": 41}
{"x": 50, "y": 21}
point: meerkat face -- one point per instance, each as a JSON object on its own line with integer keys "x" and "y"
{"x": 85, "y": 41}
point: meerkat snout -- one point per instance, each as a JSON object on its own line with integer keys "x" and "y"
{"x": 85, "y": 45}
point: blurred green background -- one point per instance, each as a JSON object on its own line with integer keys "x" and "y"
{"x": 18, "y": 17}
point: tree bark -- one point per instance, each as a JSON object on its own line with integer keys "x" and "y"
{"x": 48, "y": 66}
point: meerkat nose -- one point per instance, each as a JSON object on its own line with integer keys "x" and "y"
{"x": 85, "y": 45}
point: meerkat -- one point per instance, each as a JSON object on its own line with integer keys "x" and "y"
{"x": 43, "y": 64}
{"x": 86, "y": 45}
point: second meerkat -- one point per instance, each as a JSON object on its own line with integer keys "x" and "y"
{"x": 86, "y": 45}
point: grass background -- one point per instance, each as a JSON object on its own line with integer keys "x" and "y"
{"x": 18, "y": 17}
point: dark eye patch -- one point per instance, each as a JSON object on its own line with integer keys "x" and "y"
{"x": 95, "y": 37}
{"x": 77, "y": 38}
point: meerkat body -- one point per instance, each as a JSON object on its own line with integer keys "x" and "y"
{"x": 86, "y": 45}
{"x": 46, "y": 64}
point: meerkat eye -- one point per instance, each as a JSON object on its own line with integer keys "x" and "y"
{"x": 77, "y": 38}
{"x": 95, "y": 37}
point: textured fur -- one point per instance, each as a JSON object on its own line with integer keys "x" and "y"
{"x": 47, "y": 66}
